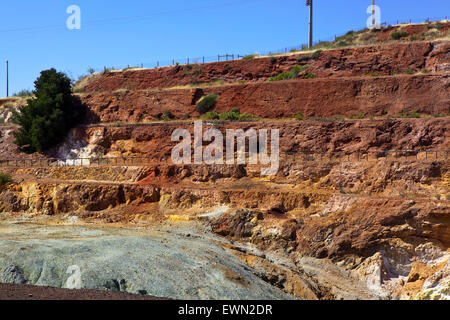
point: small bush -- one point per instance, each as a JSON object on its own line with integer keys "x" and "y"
{"x": 293, "y": 74}
{"x": 311, "y": 75}
{"x": 409, "y": 71}
{"x": 207, "y": 103}
{"x": 273, "y": 60}
{"x": 299, "y": 115}
{"x": 425, "y": 71}
{"x": 5, "y": 178}
{"x": 236, "y": 110}
{"x": 304, "y": 58}
{"x": 414, "y": 114}
{"x": 409, "y": 114}
{"x": 250, "y": 56}
{"x": 397, "y": 35}
{"x": 233, "y": 115}
{"x": 167, "y": 115}
{"x": 211, "y": 115}
{"x": 23, "y": 93}
{"x": 316, "y": 55}
{"x": 413, "y": 38}
{"x": 241, "y": 81}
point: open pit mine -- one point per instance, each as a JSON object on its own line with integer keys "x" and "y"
{"x": 358, "y": 209}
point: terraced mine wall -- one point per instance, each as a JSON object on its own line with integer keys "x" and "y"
{"x": 384, "y": 96}
{"x": 321, "y": 228}
{"x": 295, "y": 136}
{"x": 350, "y": 62}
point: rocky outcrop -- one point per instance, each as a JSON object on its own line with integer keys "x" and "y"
{"x": 382, "y": 96}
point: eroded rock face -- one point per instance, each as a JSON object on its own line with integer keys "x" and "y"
{"x": 384, "y": 60}
{"x": 384, "y": 96}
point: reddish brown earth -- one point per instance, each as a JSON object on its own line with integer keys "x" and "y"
{"x": 387, "y": 96}
{"x": 27, "y": 292}
{"x": 361, "y": 61}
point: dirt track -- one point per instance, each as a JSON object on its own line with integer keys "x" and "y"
{"x": 27, "y": 292}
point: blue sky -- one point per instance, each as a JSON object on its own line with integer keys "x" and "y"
{"x": 34, "y": 36}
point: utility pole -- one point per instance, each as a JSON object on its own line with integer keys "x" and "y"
{"x": 373, "y": 13}
{"x": 309, "y": 3}
{"x": 7, "y": 79}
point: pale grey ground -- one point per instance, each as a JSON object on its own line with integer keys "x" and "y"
{"x": 159, "y": 263}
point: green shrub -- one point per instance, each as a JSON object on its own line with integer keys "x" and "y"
{"x": 397, "y": 35}
{"x": 23, "y": 93}
{"x": 316, "y": 54}
{"x": 167, "y": 115}
{"x": 250, "y": 56}
{"x": 311, "y": 75}
{"x": 304, "y": 58}
{"x": 342, "y": 44}
{"x": 409, "y": 71}
{"x": 207, "y": 103}
{"x": 211, "y": 115}
{"x": 234, "y": 116}
{"x": 424, "y": 70}
{"x": 241, "y": 81}
{"x": 293, "y": 74}
{"x": 374, "y": 74}
{"x": 414, "y": 114}
{"x": 47, "y": 118}
{"x": 5, "y": 178}
{"x": 409, "y": 114}
{"x": 413, "y": 38}
{"x": 299, "y": 115}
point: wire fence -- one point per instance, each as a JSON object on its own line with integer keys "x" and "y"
{"x": 237, "y": 56}
{"x": 356, "y": 156}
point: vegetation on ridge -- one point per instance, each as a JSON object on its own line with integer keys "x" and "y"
{"x": 47, "y": 118}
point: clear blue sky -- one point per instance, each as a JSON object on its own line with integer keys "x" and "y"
{"x": 34, "y": 36}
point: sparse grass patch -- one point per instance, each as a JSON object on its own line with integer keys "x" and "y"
{"x": 397, "y": 35}
{"x": 409, "y": 114}
{"x": 5, "y": 178}
{"x": 233, "y": 115}
{"x": 360, "y": 115}
{"x": 293, "y": 74}
{"x": 311, "y": 75}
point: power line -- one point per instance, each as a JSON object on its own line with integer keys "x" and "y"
{"x": 133, "y": 18}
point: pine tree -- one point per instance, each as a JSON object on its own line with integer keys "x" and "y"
{"x": 49, "y": 115}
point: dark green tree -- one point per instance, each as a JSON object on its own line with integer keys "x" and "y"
{"x": 49, "y": 115}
